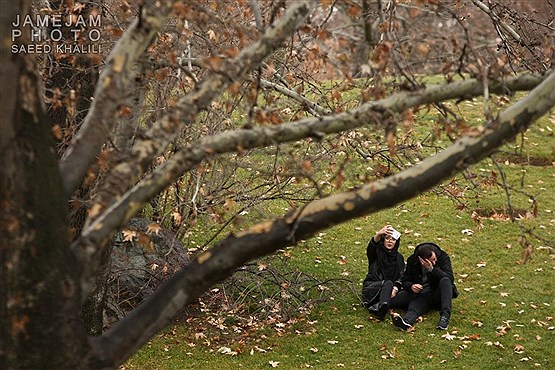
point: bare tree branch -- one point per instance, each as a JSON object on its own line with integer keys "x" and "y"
{"x": 45, "y": 280}
{"x": 230, "y": 141}
{"x": 256, "y": 12}
{"x": 165, "y": 130}
{"x": 220, "y": 261}
{"x": 298, "y": 97}
{"x": 232, "y": 70}
{"x": 498, "y": 20}
{"x": 113, "y": 84}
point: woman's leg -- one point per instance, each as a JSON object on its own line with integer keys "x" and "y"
{"x": 385, "y": 293}
{"x": 371, "y": 292}
{"x": 385, "y": 297}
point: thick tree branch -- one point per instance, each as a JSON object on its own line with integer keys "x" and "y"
{"x": 220, "y": 261}
{"x": 231, "y": 141}
{"x": 112, "y": 85}
{"x": 156, "y": 139}
{"x": 224, "y": 73}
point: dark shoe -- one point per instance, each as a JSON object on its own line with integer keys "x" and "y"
{"x": 400, "y": 323}
{"x": 443, "y": 323}
{"x": 372, "y": 308}
{"x": 382, "y": 310}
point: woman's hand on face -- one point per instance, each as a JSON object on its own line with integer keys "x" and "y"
{"x": 382, "y": 232}
{"x": 416, "y": 288}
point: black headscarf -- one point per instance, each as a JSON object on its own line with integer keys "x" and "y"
{"x": 387, "y": 260}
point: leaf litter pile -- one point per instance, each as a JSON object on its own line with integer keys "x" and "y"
{"x": 261, "y": 301}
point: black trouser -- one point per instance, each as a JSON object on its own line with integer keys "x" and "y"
{"x": 376, "y": 298}
{"x": 385, "y": 293}
{"x": 417, "y": 304}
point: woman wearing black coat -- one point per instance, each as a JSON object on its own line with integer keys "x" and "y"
{"x": 385, "y": 270}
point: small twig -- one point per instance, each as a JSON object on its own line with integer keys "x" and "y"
{"x": 505, "y": 188}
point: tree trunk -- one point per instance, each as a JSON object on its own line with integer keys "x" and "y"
{"x": 92, "y": 312}
{"x": 40, "y": 291}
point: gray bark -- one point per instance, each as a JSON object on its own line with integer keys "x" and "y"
{"x": 113, "y": 83}
{"x": 220, "y": 261}
{"x": 229, "y": 141}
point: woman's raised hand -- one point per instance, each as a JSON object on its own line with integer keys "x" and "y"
{"x": 386, "y": 230}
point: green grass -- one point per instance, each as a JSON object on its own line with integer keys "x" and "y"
{"x": 496, "y": 290}
{"x": 502, "y": 319}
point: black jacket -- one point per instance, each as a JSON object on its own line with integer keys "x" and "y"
{"x": 392, "y": 262}
{"x": 375, "y": 273}
{"x": 443, "y": 268}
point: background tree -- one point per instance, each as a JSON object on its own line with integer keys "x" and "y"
{"x": 190, "y": 98}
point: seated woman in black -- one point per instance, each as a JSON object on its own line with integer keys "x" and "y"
{"x": 385, "y": 269}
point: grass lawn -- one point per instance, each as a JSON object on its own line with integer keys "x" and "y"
{"x": 502, "y": 319}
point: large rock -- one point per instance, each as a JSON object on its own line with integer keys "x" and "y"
{"x": 143, "y": 257}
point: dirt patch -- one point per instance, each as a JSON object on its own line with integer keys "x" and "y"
{"x": 502, "y": 213}
{"x": 525, "y": 160}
